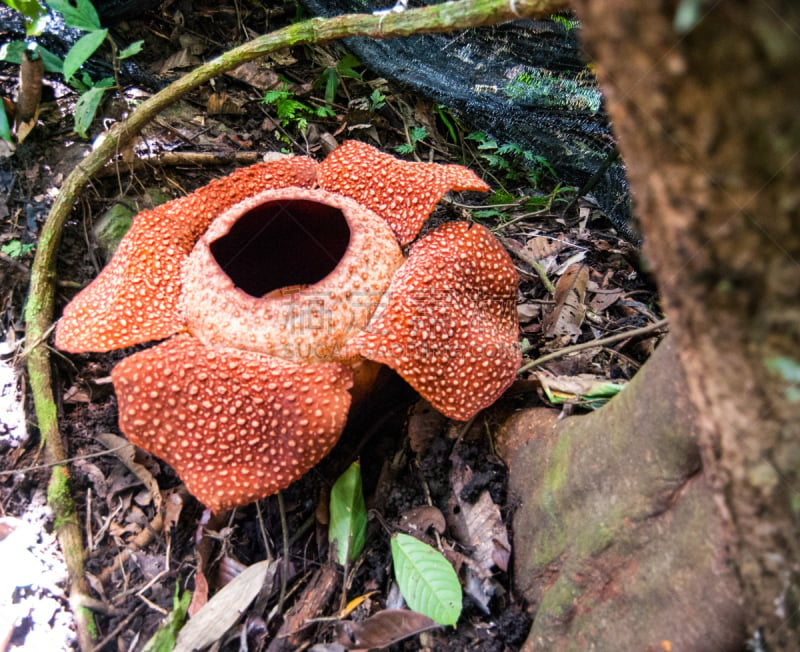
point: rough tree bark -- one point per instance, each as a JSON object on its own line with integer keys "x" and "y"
{"x": 705, "y": 111}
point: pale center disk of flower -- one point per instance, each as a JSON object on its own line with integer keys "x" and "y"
{"x": 293, "y": 273}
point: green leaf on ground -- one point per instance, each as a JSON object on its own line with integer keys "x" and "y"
{"x": 131, "y": 51}
{"x": 84, "y": 48}
{"x": 80, "y": 14}
{"x": 87, "y": 104}
{"x": 426, "y": 579}
{"x": 164, "y": 639}
{"x": 348, "y": 515}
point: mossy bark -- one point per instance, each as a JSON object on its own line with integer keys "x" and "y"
{"x": 617, "y": 541}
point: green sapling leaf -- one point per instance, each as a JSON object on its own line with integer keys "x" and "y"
{"x": 426, "y": 579}
{"x": 80, "y": 14}
{"x": 80, "y": 52}
{"x": 131, "y": 51}
{"x": 348, "y": 515}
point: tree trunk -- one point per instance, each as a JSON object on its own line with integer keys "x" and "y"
{"x": 705, "y": 110}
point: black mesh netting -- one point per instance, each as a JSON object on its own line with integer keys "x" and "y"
{"x": 524, "y": 82}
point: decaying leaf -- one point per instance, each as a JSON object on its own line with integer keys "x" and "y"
{"x": 126, "y": 452}
{"x": 383, "y": 629}
{"x": 478, "y": 526}
{"x": 563, "y": 325}
{"x": 544, "y": 250}
{"x": 418, "y": 520}
{"x": 222, "y": 103}
{"x": 255, "y": 74}
{"x": 584, "y": 390}
{"x": 224, "y": 609}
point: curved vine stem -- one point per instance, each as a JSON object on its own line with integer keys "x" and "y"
{"x": 40, "y": 308}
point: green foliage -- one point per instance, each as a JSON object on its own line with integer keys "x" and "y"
{"x": 443, "y": 113}
{"x": 331, "y": 76}
{"x": 428, "y": 582}
{"x": 5, "y": 126}
{"x": 13, "y": 50}
{"x": 77, "y": 14}
{"x": 164, "y": 639}
{"x": 545, "y": 88}
{"x": 84, "y": 48}
{"x": 292, "y": 111}
{"x": 415, "y": 136}
{"x": 14, "y": 248}
{"x": 88, "y": 103}
{"x": 567, "y": 23}
{"x": 33, "y": 13}
{"x": 511, "y": 161}
{"x": 377, "y": 100}
{"x": 348, "y": 512}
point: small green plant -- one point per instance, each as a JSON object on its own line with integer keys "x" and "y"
{"x": 416, "y": 134}
{"x": 512, "y": 161}
{"x": 15, "y": 249}
{"x": 377, "y": 100}
{"x": 292, "y": 111}
{"x": 348, "y": 516}
{"x": 426, "y": 579}
{"x": 81, "y": 15}
{"x": 332, "y": 75}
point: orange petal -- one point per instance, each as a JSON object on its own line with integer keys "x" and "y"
{"x": 236, "y": 426}
{"x": 449, "y": 323}
{"x": 403, "y": 193}
{"x": 135, "y": 298}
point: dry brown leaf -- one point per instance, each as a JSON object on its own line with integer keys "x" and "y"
{"x": 256, "y": 75}
{"x": 544, "y": 250}
{"x": 223, "y": 610}
{"x": 219, "y": 103}
{"x": 418, "y": 519}
{"x": 478, "y": 526}
{"x": 181, "y": 59}
{"x": 563, "y": 324}
{"x": 126, "y": 452}
{"x": 383, "y": 629}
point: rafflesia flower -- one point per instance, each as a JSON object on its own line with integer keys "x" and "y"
{"x": 275, "y": 286}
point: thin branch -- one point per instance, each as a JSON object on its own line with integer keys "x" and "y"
{"x": 603, "y": 341}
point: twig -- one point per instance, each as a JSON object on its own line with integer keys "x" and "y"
{"x": 515, "y": 248}
{"x": 603, "y": 341}
{"x": 41, "y": 297}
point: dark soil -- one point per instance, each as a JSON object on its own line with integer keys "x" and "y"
{"x": 407, "y": 458}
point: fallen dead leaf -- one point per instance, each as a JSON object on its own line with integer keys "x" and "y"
{"x": 383, "y": 629}
{"x": 478, "y": 526}
{"x": 562, "y": 326}
{"x": 126, "y": 452}
{"x": 256, "y": 75}
{"x": 222, "y": 611}
{"x": 222, "y": 103}
{"x": 419, "y": 519}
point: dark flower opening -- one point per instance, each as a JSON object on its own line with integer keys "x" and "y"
{"x": 282, "y": 244}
